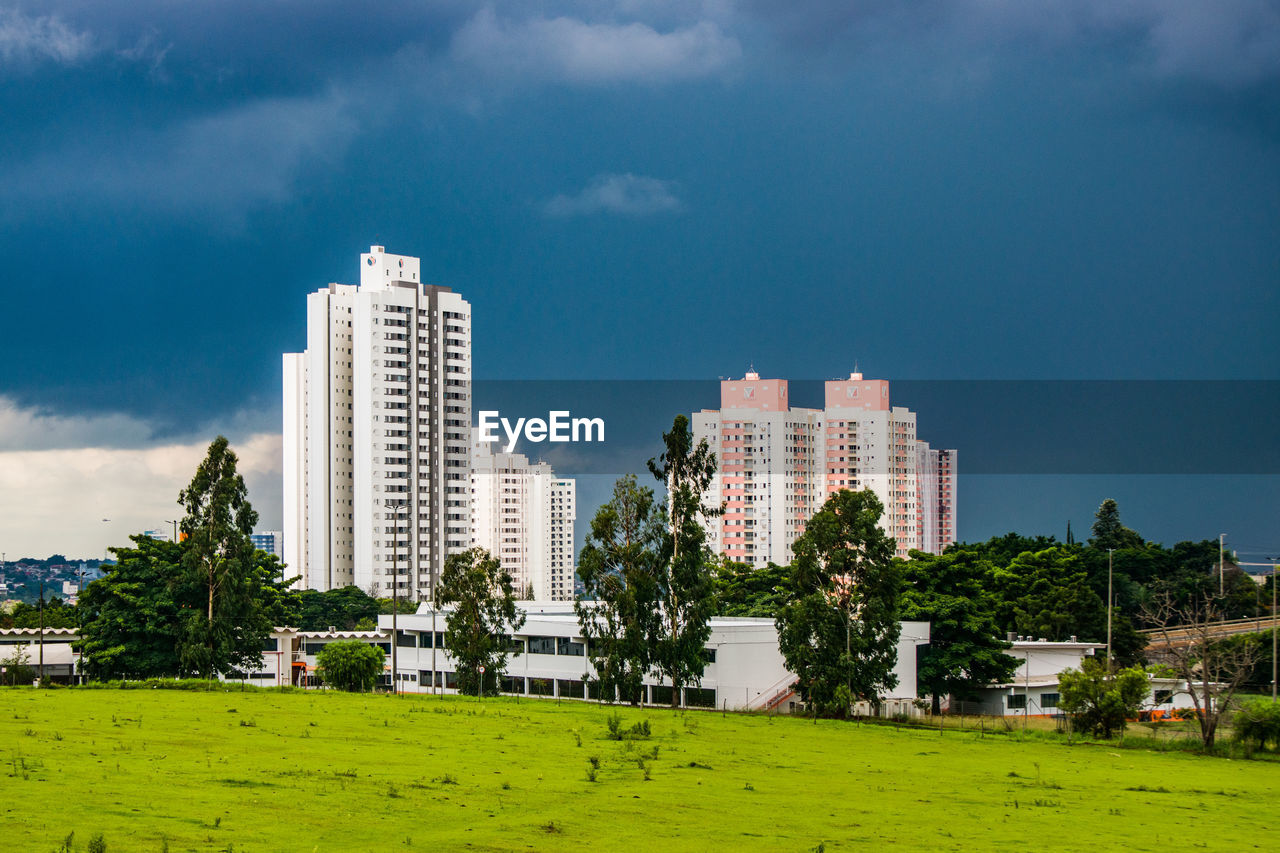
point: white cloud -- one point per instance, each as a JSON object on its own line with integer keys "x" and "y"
{"x": 25, "y": 40}
{"x": 573, "y": 51}
{"x": 631, "y": 195}
{"x": 62, "y": 475}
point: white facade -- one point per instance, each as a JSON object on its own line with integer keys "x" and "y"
{"x": 936, "y": 497}
{"x": 745, "y": 669}
{"x": 377, "y": 432}
{"x": 523, "y": 514}
{"x": 1033, "y": 690}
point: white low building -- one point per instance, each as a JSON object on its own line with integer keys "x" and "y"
{"x": 745, "y": 669}
{"x": 1033, "y": 690}
{"x": 48, "y": 654}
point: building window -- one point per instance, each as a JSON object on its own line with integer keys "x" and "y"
{"x": 1049, "y": 700}
{"x": 572, "y": 689}
{"x": 1017, "y": 702}
{"x": 542, "y": 645}
{"x": 566, "y": 646}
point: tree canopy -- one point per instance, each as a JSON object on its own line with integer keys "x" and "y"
{"x": 1108, "y": 532}
{"x": 683, "y": 567}
{"x": 1098, "y": 703}
{"x": 838, "y": 631}
{"x": 202, "y": 606}
{"x": 618, "y": 612}
{"x": 966, "y": 648}
{"x": 477, "y": 629}
{"x": 218, "y": 560}
{"x": 350, "y": 665}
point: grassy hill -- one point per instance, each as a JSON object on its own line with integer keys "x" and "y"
{"x": 263, "y": 771}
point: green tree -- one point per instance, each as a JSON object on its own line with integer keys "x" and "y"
{"x": 218, "y": 559}
{"x": 618, "y": 611}
{"x": 1108, "y": 532}
{"x": 131, "y": 620}
{"x": 839, "y": 630}
{"x": 742, "y": 590}
{"x": 965, "y": 648}
{"x": 350, "y": 665}
{"x": 684, "y": 585}
{"x": 477, "y": 629}
{"x": 133, "y": 616}
{"x": 1257, "y": 723}
{"x": 17, "y": 666}
{"x": 57, "y": 614}
{"x": 343, "y": 608}
{"x": 1100, "y": 704}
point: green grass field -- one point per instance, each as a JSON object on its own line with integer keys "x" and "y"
{"x": 265, "y": 771}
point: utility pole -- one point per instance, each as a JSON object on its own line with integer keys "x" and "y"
{"x": 41, "y": 681}
{"x": 1222, "y": 565}
{"x": 435, "y": 638}
{"x": 395, "y": 596}
{"x": 1275, "y": 564}
{"x": 1110, "y": 552}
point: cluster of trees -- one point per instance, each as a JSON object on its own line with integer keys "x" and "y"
{"x": 55, "y": 613}
{"x": 652, "y": 586}
{"x": 974, "y": 595}
{"x": 204, "y": 605}
{"x": 199, "y": 607}
{"x": 648, "y": 577}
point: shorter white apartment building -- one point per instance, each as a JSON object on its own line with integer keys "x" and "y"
{"x": 1033, "y": 691}
{"x": 523, "y": 514}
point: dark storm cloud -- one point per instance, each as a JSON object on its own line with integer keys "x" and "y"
{"x": 1232, "y": 43}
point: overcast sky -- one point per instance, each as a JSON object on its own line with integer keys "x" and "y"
{"x": 938, "y": 189}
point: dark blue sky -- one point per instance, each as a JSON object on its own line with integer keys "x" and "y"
{"x": 949, "y": 189}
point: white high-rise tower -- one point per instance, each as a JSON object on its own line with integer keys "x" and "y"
{"x": 523, "y": 514}
{"x": 377, "y": 432}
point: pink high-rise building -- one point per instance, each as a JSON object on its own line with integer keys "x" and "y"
{"x": 778, "y": 465}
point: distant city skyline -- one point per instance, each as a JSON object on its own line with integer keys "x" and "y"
{"x": 945, "y": 191}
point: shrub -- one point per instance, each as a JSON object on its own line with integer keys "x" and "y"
{"x": 638, "y": 731}
{"x": 1257, "y": 723}
{"x": 1100, "y": 704}
{"x": 350, "y": 665}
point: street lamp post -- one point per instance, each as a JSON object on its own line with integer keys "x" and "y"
{"x": 1275, "y": 564}
{"x": 41, "y": 681}
{"x": 1222, "y": 565}
{"x": 1110, "y": 552}
{"x": 395, "y": 596}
